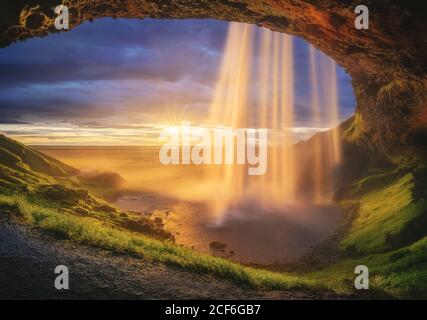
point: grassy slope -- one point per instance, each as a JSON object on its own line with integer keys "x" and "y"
{"x": 94, "y": 232}
{"x": 35, "y": 160}
{"x": 387, "y": 210}
{"x": 389, "y": 216}
{"x": 52, "y": 184}
{"x": 387, "y": 233}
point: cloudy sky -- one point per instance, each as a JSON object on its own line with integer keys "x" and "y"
{"x": 116, "y": 81}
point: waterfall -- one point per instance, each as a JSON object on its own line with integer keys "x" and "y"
{"x": 270, "y": 79}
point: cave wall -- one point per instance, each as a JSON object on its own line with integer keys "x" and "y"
{"x": 387, "y": 63}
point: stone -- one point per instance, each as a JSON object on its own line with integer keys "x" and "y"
{"x": 217, "y": 245}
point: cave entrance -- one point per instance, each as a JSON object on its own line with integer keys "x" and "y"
{"x": 118, "y": 87}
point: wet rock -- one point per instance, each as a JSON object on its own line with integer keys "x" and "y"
{"x": 217, "y": 245}
{"x": 147, "y": 227}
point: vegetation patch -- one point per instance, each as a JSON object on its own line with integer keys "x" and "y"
{"x": 94, "y": 232}
{"x": 387, "y": 233}
{"x": 390, "y": 214}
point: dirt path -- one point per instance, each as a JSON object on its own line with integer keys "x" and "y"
{"x": 28, "y": 259}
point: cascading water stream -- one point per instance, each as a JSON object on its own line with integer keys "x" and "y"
{"x": 274, "y": 92}
{"x": 324, "y": 97}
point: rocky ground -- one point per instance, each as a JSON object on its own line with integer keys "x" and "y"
{"x": 28, "y": 259}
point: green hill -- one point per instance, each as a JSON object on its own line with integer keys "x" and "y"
{"x": 12, "y": 151}
{"x": 29, "y": 176}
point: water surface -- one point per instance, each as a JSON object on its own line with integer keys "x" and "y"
{"x": 179, "y": 195}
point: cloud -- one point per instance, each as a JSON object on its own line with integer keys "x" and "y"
{"x": 112, "y": 65}
{"x": 125, "y": 72}
{"x": 12, "y": 121}
{"x": 120, "y": 49}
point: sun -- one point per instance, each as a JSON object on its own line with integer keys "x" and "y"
{"x": 172, "y": 116}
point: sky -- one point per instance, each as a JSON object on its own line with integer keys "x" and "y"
{"x": 117, "y": 82}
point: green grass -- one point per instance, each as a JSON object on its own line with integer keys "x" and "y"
{"x": 94, "y": 232}
{"x": 35, "y": 160}
{"x": 388, "y": 234}
{"x": 389, "y": 215}
{"x": 399, "y": 273}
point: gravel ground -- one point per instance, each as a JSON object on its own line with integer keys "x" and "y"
{"x": 28, "y": 259}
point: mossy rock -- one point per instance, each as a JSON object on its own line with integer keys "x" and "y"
{"x": 104, "y": 207}
{"x": 61, "y": 194}
{"x": 109, "y": 180}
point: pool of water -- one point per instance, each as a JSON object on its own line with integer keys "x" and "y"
{"x": 246, "y": 233}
